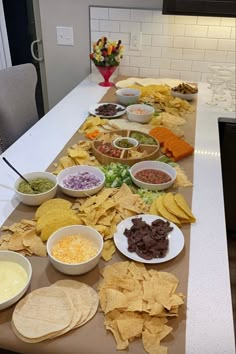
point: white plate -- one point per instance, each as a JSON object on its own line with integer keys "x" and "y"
{"x": 95, "y": 106}
{"x": 176, "y": 240}
{"x": 148, "y": 81}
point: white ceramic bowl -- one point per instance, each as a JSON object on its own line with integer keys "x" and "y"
{"x": 15, "y": 257}
{"x": 184, "y": 96}
{"x": 133, "y": 116}
{"x": 77, "y": 268}
{"x": 132, "y": 141}
{"x": 36, "y": 199}
{"x": 128, "y": 95}
{"x": 79, "y": 169}
{"x": 157, "y": 165}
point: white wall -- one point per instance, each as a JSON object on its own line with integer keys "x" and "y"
{"x": 172, "y": 46}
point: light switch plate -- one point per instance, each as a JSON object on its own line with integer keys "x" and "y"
{"x": 65, "y": 36}
{"x": 135, "y": 40}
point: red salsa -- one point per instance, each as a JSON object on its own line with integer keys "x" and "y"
{"x": 110, "y": 150}
{"x": 152, "y": 176}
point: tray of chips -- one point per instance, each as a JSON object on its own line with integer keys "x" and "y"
{"x": 105, "y": 151}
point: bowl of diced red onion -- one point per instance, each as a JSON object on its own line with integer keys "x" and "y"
{"x": 81, "y": 181}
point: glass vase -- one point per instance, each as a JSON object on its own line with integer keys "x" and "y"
{"x": 106, "y": 72}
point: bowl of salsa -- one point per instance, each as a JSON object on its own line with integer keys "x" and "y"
{"x": 153, "y": 175}
{"x": 128, "y": 96}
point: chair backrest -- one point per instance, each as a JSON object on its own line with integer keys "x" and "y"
{"x": 18, "y": 111}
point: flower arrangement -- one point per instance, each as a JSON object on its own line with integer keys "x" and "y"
{"x": 107, "y": 52}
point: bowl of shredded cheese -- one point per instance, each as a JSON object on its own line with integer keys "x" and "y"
{"x": 75, "y": 249}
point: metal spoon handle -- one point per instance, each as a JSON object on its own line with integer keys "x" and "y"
{"x": 13, "y": 168}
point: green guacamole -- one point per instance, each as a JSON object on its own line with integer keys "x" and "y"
{"x": 37, "y": 186}
{"x": 143, "y": 139}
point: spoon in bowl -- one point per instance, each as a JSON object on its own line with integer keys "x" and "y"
{"x": 19, "y": 174}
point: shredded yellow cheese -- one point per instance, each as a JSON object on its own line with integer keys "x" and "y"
{"x": 181, "y": 178}
{"x": 74, "y": 249}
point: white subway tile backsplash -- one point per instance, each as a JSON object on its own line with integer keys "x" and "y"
{"x": 158, "y": 17}
{"x": 94, "y": 25}
{"x": 172, "y": 53}
{"x": 154, "y": 52}
{"x": 173, "y": 29}
{"x": 162, "y": 41}
{"x": 128, "y": 71}
{"x": 124, "y": 37}
{"x": 172, "y": 46}
{"x": 216, "y": 56}
{"x": 228, "y": 21}
{"x": 226, "y": 44}
{"x": 146, "y": 39}
{"x": 130, "y": 26}
{"x": 190, "y": 76}
{"x": 119, "y": 14}
{"x": 209, "y": 21}
{"x": 196, "y": 31}
{"x": 160, "y": 63}
{"x": 181, "y": 65}
{"x": 230, "y": 58}
{"x": 140, "y": 61}
{"x": 110, "y": 26}
{"x": 193, "y": 54}
{"x": 183, "y": 42}
{"x": 206, "y": 43}
{"x": 141, "y": 15}
{"x": 233, "y": 32}
{"x": 147, "y": 72}
{"x": 151, "y": 28}
{"x": 99, "y": 13}
{"x": 96, "y": 35}
{"x": 219, "y": 32}
{"x": 187, "y": 20}
{"x": 170, "y": 73}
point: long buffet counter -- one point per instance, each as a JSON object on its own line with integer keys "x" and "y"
{"x": 209, "y": 322}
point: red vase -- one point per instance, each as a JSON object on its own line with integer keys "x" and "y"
{"x": 106, "y": 72}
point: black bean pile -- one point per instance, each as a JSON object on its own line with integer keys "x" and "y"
{"x": 148, "y": 241}
{"x": 108, "y": 110}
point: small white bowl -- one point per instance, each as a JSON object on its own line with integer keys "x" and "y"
{"x": 184, "y": 96}
{"x": 128, "y": 95}
{"x": 36, "y": 199}
{"x": 140, "y": 118}
{"x": 77, "y": 268}
{"x": 132, "y": 141}
{"x": 157, "y": 165}
{"x": 78, "y": 169}
{"x": 15, "y": 257}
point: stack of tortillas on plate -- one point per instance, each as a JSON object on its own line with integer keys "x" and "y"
{"x": 52, "y": 311}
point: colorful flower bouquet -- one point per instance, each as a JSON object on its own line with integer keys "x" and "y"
{"x": 106, "y": 56}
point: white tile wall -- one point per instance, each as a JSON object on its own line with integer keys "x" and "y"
{"x": 172, "y": 46}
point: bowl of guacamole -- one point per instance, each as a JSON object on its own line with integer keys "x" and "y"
{"x": 41, "y": 187}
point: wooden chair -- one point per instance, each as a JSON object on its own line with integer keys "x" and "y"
{"x": 18, "y": 111}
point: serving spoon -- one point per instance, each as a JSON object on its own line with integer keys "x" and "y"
{"x": 15, "y": 170}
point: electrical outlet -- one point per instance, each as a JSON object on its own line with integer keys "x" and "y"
{"x": 65, "y": 36}
{"x": 135, "y": 40}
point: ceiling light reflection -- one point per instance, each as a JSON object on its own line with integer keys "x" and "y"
{"x": 207, "y": 152}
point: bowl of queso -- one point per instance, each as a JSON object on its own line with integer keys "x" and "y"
{"x": 153, "y": 175}
{"x": 15, "y": 277}
{"x": 43, "y": 186}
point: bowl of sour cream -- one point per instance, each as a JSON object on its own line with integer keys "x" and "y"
{"x": 15, "y": 277}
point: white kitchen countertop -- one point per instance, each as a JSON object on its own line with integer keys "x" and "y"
{"x": 209, "y": 314}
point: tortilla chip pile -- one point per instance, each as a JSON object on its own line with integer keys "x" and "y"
{"x": 106, "y": 209}
{"x": 54, "y": 214}
{"x": 78, "y": 154}
{"x": 169, "y": 121}
{"x": 136, "y": 302}
{"x": 172, "y": 146}
{"x": 22, "y": 237}
{"x": 173, "y": 208}
{"x": 159, "y": 96}
{"x": 49, "y": 312}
